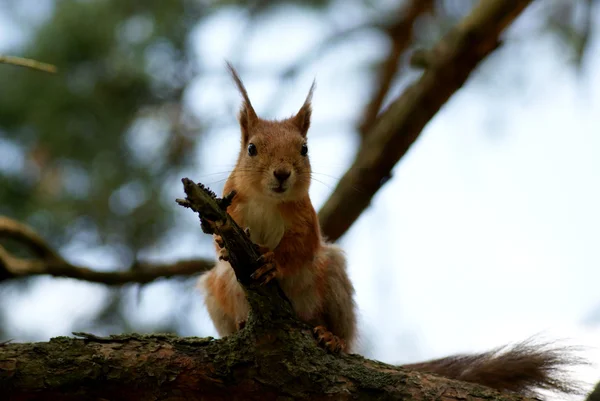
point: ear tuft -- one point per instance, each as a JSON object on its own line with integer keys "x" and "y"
{"x": 247, "y": 116}
{"x": 302, "y": 118}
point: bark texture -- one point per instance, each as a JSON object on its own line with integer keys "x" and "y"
{"x": 283, "y": 364}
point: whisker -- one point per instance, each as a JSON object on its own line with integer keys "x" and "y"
{"x": 354, "y": 187}
{"x": 216, "y": 182}
{"x": 211, "y": 174}
{"x": 328, "y": 175}
{"x": 342, "y": 166}
{"x": 322, "y": 183}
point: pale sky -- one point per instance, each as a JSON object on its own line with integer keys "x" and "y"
{"x": 487, "y": 233}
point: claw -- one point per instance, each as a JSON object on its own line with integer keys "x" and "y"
{"x": 265, "y": 273}
{"x": 268, "y": 269}
{"x": 263, "y": 250}
{"x": 224, "y": 254}
{"x": 328, "y": 340}
{"x": 219, "y": 241}
{"x": 266, "y": 257}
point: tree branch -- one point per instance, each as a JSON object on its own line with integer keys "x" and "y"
{"x": 400, "y": 34}
{"x": 450, "y": 63}
{"x": 268, "y": 304}
{"x": 286, "y": 365}
{"x": 28, "y": 63}
{"x": 49, "y": 262}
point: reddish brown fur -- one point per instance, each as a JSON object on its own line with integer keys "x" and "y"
{"x": 283, "y": 222}
{"x": 523, "y": 369}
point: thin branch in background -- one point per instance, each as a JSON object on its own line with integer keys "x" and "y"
{"x": 400, "y": 34}
{"x": 399, "y": 31}
{"x": 28, "y": 63}
{"x": 316, "y": 52}
{"x": 586, "y": 33}
{"x": 572, "y": 23}
{"x": 449, "y": 65}
{"x": 49, "y": 262}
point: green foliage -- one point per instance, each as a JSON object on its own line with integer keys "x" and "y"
{"x": 90, "y": 148}
{"x": 84, "y": 142}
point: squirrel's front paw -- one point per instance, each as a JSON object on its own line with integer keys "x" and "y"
{"x": 268, "y": 269}
{"x": 222, "y": 252}
{"x": 328, "y": 340}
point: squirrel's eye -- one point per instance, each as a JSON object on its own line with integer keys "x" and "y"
{"x": 252, "y": 150}
{"x": 304, "y": 150}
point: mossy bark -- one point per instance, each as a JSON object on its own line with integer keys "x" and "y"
{"x": 281, "y": 364}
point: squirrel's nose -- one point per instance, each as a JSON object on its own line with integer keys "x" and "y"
{"x": 282, "y": 174}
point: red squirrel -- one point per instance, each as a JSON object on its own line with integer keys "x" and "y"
{"x": 272, "y": 178}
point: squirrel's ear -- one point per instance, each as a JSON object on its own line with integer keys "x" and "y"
{"x": 302, "y": 118}
{"x": 247, "y": 116}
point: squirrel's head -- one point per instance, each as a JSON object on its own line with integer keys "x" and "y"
{"x": 273, "y": 161}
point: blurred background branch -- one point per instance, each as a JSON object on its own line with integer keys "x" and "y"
{"x": 400, "y": 36}
{"x": 452, "y": 61}
{"x": 48, "y": 262}
{"x": 28, "y": 63}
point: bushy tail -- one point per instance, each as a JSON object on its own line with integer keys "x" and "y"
{"x": 524, "y": 368}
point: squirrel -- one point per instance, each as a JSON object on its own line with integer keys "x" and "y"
{"x": 271, "y": 179}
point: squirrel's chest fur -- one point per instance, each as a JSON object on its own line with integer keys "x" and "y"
{"x": 264, "y": 220}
